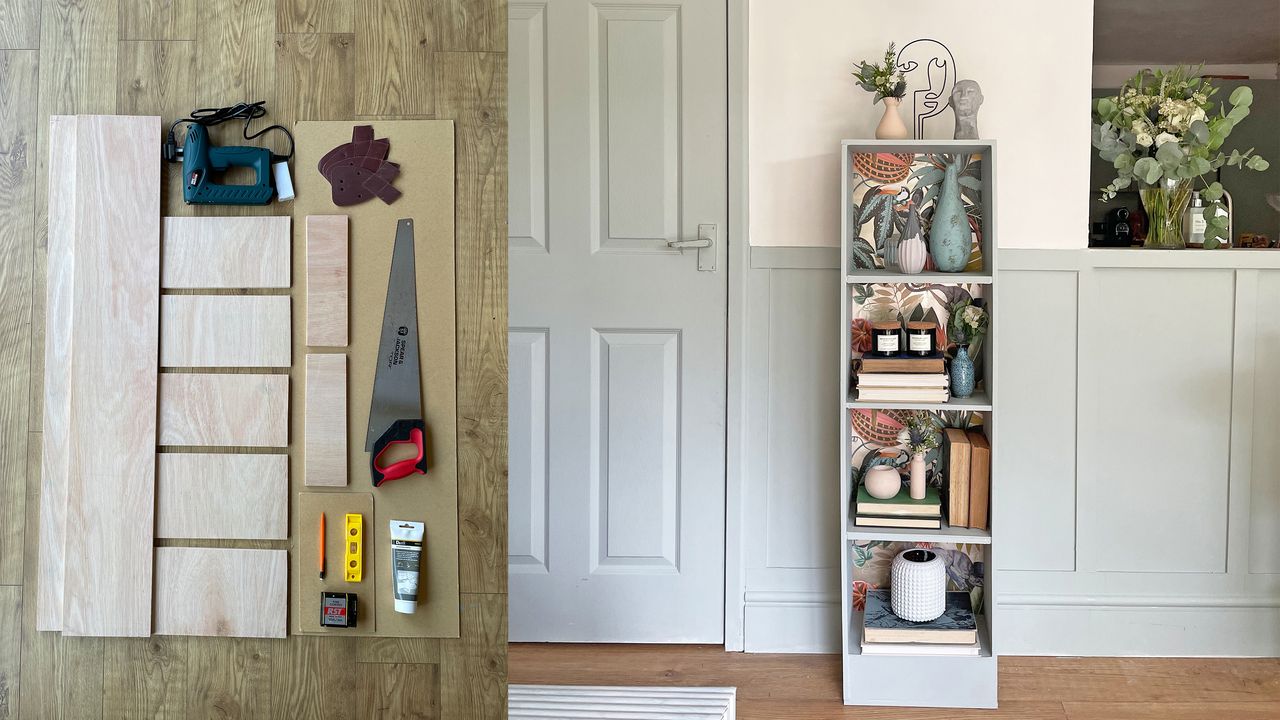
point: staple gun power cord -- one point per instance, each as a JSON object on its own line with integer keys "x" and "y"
{"x": 209, "y": 117}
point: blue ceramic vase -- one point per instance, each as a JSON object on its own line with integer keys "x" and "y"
{"x": 961, "y": 374}
{"x": 950, "y": 239}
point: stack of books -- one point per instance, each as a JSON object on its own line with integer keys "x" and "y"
{"x": 899, "y": 511}
{"x": 955, "y": 633}
{"x": 902, "y": 379}
{"x": 966, "y": 477}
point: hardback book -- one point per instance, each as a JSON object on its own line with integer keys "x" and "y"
{"x": 882, "y": 379}
{"x": 897, "y": 521}
{"x": 903, "y": 394}
{"x": 955, "y": 473}
{"x": 979, "y": 480}
{"x": 903, "y": 364}
{"x": 956, "y": 626}
{"x": 870, "y": 648}
{"x": 901, "y": 504}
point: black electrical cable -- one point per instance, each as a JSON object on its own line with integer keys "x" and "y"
{"x": 209, "y": 117}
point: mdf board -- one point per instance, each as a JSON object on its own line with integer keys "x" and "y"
{"x": 216, "y": 410}
{"x": 424, "y": 149}
{"x": 57, "y": 369}
{"x": 224, "y": 331}
{"x": 221, "y": 592}
{"x": 111, "y": 435}
{"x": 325, "y": 426}
{"x": 306, "y": 562}
{"x": 222, "y": 496}
{"x": 225, "y": 252}
{"x": 327, "y": 280}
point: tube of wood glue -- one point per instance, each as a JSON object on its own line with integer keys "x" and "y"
{"x": 406, "y": 554}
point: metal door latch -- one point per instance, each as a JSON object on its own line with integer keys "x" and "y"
{"x": 705, "y": 244}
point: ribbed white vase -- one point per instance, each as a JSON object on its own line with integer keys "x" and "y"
{"x": 918, "y": 585}
{"x": 911, "y": 255}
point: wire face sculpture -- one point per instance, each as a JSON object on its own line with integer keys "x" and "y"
{"x": 930, "y": 67}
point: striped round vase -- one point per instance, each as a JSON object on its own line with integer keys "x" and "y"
{"x": 911, "y": 255}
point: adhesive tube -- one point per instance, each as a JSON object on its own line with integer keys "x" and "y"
{"x": 406, "y": 552}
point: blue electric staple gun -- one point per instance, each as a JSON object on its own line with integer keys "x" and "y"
{"x": 203, "y": 163}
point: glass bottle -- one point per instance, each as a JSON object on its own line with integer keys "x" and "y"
{"x": 1193, "y": 222}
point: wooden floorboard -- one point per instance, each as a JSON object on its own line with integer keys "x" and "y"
{"x": 808, "y": 687}
{"x": 310, "y": 60}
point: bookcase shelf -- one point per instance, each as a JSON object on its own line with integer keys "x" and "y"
{"x": 917, "y": 680}
{"x": 944, "y": 534}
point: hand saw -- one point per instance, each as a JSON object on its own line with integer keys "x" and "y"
{"x": 395, "y": 415}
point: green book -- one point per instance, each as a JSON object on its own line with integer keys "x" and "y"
{"x": 901, "y": 504}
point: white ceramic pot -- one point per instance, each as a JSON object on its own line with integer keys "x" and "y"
{"x": 918, "y": 585}
{"x": 891, "y": 126}
{"x": 911, "y": 255}
{"x": 883, "y": 481}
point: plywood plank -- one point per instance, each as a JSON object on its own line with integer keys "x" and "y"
{"x": 57, "y": 370}
{"x": 221, "y": 592}
{"x": 224, "y": 331}
{"x": 325, "y": 424}
{"x": 225, "y": 252}
{"x": 327, "y": 280}
{"x": 220, "y": 410}
{"x": 202, "y": 495}
{"x": 112, "y": 430}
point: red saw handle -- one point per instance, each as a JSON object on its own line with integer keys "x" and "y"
{"x": 401, "y": 432}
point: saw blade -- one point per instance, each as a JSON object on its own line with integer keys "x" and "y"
{"x": 397, "y": 383}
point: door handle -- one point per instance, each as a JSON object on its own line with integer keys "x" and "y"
{"x": 705, "y": 244}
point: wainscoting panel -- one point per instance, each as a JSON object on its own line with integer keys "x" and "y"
{"x": 1264, "y": 371}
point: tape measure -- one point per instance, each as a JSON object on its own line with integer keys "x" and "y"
{"x": 355, "y": 540}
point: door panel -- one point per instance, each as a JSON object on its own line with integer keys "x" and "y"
{"x": 617, "y": 532}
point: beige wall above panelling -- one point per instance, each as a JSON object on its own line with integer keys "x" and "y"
{"x": 803, "y": 101}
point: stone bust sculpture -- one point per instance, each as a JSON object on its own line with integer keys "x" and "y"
{"x": 966, "y": 98}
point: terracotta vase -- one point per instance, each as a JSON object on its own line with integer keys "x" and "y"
{"x": 917, "y": 476}
{"x": 891, "y": 126}
{"x": 883, "y": 482}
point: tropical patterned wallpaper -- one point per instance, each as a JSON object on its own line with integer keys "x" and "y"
{"x": 872, "y": 560}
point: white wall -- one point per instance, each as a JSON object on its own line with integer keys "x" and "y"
{"x": 1033, "y": 60}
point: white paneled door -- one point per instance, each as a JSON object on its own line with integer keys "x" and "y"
{"x": 618, "y": 150}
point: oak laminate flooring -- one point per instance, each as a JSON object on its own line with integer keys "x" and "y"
{"x": 327, "y": 278}
{"x": 398, "y": 691}
{"x": 225, "y": 331}
{"x": 220, "y": 410}
{"x": 115, "y": 304}
{"x": 225, "y": 252}
{"x": 325, "y": 425}
{"x": 222, "y": 496}
{"x": 165, "y": 57}
{"x": 221, "y": 592}
{"x": 19, "y": 24}
{"x": 395, "y": 40}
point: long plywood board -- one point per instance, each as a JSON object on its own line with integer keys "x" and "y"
{"x": 325, "y": 424}
{"x": 217, "y": 410}
{"x": 224, "y": 331}
{"x": 225, "y": 252}
{"x": 424, "y": 149}
{"x": 307, "y": 580}
{"x": 222, "y": 496}
{"x": 327, "y": 280}
{"x": 57, "y": 370}
{"x": 221, "y": 592}
{"x": 111, "y": 435}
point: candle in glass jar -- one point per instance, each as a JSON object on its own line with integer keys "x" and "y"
{"x": 922, "y": 338}
{"x": 886, "y": 340}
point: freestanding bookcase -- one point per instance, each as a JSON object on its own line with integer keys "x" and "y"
{"x": 917, "y": 680}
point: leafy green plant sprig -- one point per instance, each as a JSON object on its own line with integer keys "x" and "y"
{"x": 885, "y": 79}
{"x": 1163, "y": 126}
{"x": 968, "y": 324}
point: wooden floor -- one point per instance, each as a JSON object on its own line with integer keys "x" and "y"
{"x": 807, "y": 687}
{"x": 309, "y": 59}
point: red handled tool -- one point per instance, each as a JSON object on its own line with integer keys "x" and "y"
{"x": 395, "y": 415}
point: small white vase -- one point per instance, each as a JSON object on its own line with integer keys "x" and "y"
{"x": 911, "y": 255}
{"x": 917, "y": 476}
{"x": 918, "y": 585}
{"x": 891, "y": 126}
{"x": 883, "y": 482}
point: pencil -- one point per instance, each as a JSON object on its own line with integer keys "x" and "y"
{"x": 321, "y": 546}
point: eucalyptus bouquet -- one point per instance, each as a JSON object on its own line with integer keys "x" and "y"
{"x": 968, "y": 325}
{"x": 885, "y": 80}
{"x": 1163, "y": 134}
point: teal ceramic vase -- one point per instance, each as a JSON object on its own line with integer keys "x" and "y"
{"x": 950, "y": 239}
{"x": 961, "y": 374}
